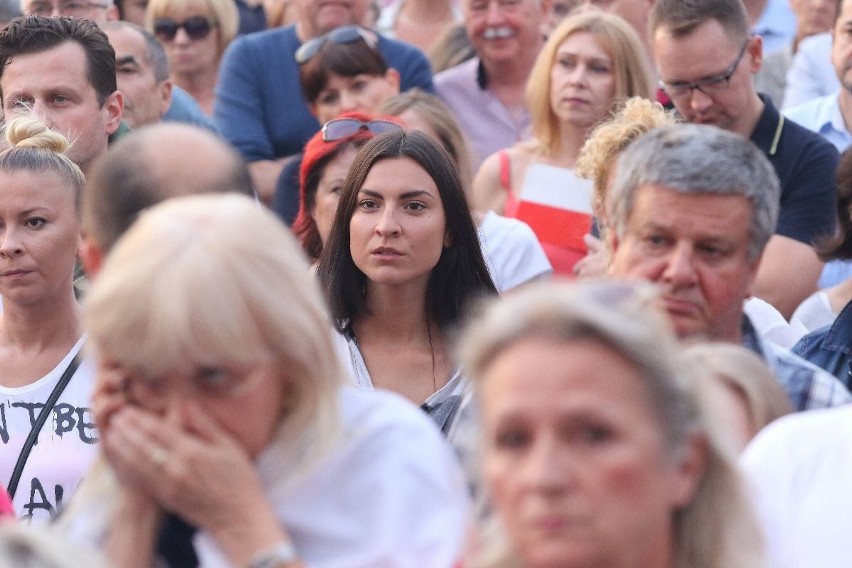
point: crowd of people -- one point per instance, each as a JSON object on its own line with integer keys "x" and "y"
{"x": 425, "y": 283}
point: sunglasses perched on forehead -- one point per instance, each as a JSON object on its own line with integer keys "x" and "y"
{"x": 345, "y": 34}
{"x": 340, "y": 128}
{"x": 196, "y": 27}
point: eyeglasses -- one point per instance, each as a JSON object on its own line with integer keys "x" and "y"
{"x": 196, "y": 27}
{"x": 340, "y": 128}
{"x": 344, "y": 34}
{"x": 77, "y": 9}
{"x": 708, "y": 86}
{"x": 204, "y": 381}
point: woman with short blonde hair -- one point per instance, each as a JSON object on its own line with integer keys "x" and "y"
{"x": 594, "y": 449}
{"x": 590, "y": 64}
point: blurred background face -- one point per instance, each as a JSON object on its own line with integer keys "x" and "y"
{"x": 362, "y": 93}
{"x": 318, "y": 17}
{"x": 328, "y": 191}
{"x": 188, "y": 55}
{"x": 841, "y": 48}
{"x": 145, "y": 99}
{"x": 582, "y": 81}
{"x": 574, "y": 456}
{"x": 814, "y": 16}
{"x": 501, "y": 31}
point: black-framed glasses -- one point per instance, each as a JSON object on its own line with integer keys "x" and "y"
{"x": 75, "y": 9}
{"x": 708, "y": 86}
{"x": 340, "y": 128}
{"x": 343, "y": 34}
{"x": 196, "y": 27}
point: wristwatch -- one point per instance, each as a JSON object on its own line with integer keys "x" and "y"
{"x": 281, "y": 555}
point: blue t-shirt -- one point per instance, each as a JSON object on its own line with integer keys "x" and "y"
{"x": 259, "y": 104}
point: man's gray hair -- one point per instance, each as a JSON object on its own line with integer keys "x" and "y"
{"x": 698, "y": 159}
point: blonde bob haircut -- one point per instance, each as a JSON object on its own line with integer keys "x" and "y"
{"x": 223, "y": 12}
{"x": 217, "y": 280}
{"x": 717, "y": 529}
{"x": 742, "y": 370}
{"x": 633, "y": 76}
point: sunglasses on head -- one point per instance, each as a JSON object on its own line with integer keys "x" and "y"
{"x": 344, "y": 34}
{"x": 196, "y": 27}
{"x": 340, "y": 128}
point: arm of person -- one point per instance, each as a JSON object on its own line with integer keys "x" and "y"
{"x": 264, "y": 176}
{"x": 190, "y": 466}
{"x": 788, "y": 273}
{"x": 239, "y": 115}
{"x": 487, "y": 192}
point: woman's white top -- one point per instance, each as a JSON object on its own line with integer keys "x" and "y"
{"x": 511, "y": 251}
{"x": 388, "y": 494}
{"x": 815, "y": 312}
{"x": 770, "y": 324}
{"x": 66, "y": 445}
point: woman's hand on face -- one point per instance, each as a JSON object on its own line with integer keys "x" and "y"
{"x": 108, "y": 397}
{"x": 596, "y": 262}
{"x": 195, "y": 469}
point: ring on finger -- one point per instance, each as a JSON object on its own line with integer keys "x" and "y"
{"x": 159, "y": 455}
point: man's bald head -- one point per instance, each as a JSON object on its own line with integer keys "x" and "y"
{"x": 153, "y": 164}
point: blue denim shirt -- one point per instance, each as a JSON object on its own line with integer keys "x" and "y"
{"x": 831, "y": 346}
{"x": 808, "y": 386}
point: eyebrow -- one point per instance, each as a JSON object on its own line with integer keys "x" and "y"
{"x": 406, "y": 195}
{"x": 126, "y": 59}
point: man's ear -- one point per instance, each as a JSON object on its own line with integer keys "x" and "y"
{"x": 113, "y": 107}
{"x": 166, "y": 94}
{"x": 755, "y": 50}
{"x": 393, "y": 78}
{"x": 689, "y": 470}
{"x": 91, "y": 256}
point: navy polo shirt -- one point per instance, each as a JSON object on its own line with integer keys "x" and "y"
{"x": 806, "y": 164}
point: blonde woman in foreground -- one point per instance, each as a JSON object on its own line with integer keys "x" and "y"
{"x": 222, "y": 412}
{"x": 594, "y": 450}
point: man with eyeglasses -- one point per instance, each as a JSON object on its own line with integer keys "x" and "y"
{"x": 706, "y": 58}
{"x": 487, "y": 92}
{"x": 259, "y": 104}
{"x": 97, "y": 11}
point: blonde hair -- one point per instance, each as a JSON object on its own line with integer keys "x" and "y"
{"x": 223, "y": 11}
{"x": 633, "y": 76}
{"x": 610, "y": 138}
{"x": 742, "y": 370}
{"x": 216, "y": 279}
{"x": 433, "y": 111}
{"x": 32, "y": 146}
{"x": 717, "y": 528}
{"x": 42, "y": 547}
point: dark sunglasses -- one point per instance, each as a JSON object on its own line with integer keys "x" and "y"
{"x": 196, "y": 27}
{"x": 344, "y": 34}
{"x": 340, "y": 128}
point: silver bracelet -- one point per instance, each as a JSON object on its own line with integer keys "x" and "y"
{"x": 279, "y": 556}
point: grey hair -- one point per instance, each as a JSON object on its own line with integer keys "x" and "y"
{"x": 698, "y": 159}
{"x": 154, "y": 50}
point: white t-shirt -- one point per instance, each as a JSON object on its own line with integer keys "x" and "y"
{"x": 799, "y": 468}
{"x": 815, "y": 312}
{"x": 388, "y": 494}
{"x": 511, "y": 251}
{"x": 66, "y": 445}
